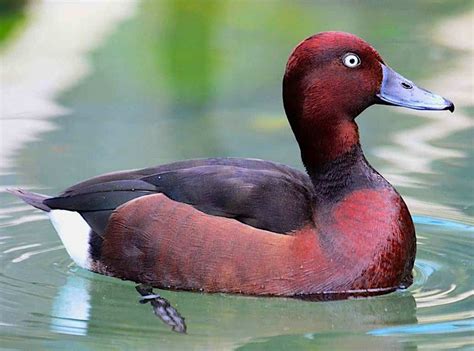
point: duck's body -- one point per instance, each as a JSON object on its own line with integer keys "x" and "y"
{"x": 252, "y": 227}
{"x": 256, "y": 227}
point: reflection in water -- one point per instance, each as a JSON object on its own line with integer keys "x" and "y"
{"x": 44, "y": 61}
{"x": 438, "y": 328}
{"x": 187, "y": 53}
{"x": 11, "y": 17}
{"x": 70, "y": 310}
{"x": 416, "y": 145}
{"x": 233, "y": 320}
{"x": 29, "y": 254}
{"x": 188, "y": 60}
{"x": 443, "y": 223}
{"x": 84, "y": 294}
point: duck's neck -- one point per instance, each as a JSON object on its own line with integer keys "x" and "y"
{"x": 335, "y": 162}
{"x": 338, "y": 177}
{"x": 321, "y": 144}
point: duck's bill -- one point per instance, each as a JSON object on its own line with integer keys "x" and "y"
{"x": 399, "y": 91}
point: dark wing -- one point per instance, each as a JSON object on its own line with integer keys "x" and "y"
{"x": 247, "y": 163}
{"x": 262, "y": 194}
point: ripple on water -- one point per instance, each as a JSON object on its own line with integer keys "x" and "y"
{"x": 443, "y": 287}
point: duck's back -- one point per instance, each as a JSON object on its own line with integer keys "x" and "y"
{"x": 262, "y": 194}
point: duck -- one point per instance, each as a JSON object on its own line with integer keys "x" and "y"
{"x": 255, "y": 227}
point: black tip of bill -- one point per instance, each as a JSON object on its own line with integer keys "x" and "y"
{"x": 450, "y": 106}
{"x": 399, "y": 91}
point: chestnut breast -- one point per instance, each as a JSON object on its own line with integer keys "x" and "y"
{"x": 372, "y": 232}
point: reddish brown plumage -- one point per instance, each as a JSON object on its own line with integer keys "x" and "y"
{"x": 168, "y": 244}
{"x": 322, "y": 98}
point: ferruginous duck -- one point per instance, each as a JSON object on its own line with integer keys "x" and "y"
{"x": 257, "y": 227}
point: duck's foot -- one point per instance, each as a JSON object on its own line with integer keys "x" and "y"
{"x": 162, "y": 308}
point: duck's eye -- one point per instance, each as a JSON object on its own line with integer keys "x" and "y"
{"x": 351, "y": 60}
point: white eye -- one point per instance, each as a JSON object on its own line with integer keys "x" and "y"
{"x": 351, "y": 60}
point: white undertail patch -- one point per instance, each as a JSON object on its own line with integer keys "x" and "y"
{"x": 74, "y": 233}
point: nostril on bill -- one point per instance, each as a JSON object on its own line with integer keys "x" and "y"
{"x": 406, "y": 85}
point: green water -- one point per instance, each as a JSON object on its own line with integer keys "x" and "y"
{"x": 178, "y": 80}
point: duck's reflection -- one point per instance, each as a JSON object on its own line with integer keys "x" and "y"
{"x": 223, "y": 321}
{"x": 71, "y": 307}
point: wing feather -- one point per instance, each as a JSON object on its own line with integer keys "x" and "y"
{"x": 262, "y": 194}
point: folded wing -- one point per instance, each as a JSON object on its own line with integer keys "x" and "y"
{"x": 262, "y": 194}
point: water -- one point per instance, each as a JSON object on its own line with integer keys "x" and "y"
{"x": 155, "y": 82}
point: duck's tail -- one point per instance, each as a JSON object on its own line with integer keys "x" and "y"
{"x": 72, "y": 228}
{"x": 33, "y": 199}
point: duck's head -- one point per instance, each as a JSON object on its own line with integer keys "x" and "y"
{"x": 331, "y": 78}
